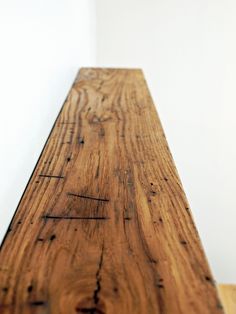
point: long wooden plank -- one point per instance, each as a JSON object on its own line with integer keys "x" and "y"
{"x": 104, "y": 225}
{"x": 228, "y": 297}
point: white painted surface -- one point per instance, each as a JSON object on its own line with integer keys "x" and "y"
{"x": 43, "y": 43}
{"x": 187, "y": 50}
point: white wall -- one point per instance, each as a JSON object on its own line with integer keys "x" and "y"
{"x": 42, "y": 45}
{"x": 187, "y": 50}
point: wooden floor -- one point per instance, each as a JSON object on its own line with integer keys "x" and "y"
{"x": 228, "y": 297}
{"x": 104, "y": 225}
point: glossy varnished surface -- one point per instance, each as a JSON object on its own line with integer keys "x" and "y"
{"x": 104, "y": 225}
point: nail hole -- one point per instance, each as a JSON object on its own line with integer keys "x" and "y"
{"x": 30, "y": 288}
{"x": 53, "y": 237}
{"x": 5, "y": 289}
{"x": 81, "y": 140}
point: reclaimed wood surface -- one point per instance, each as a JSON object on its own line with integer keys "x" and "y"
{"x": 104, "y": 225}
{"x": 228, "y": 297}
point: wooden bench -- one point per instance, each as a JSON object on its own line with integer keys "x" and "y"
{"x": 104, "y": 225}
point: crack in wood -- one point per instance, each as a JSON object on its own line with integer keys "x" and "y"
{"x": 88, "y": 197}
{"x": 95, "y": 309}
{"x": 50, "y": 176}
{"x": 38, "y": 303}
{"x": 98, "y": 278}
{"x": 90, "y": 310}
{"x": 127, "y": 218}
{"x": 98, "y": 166}
{"x": 75, "y": 217}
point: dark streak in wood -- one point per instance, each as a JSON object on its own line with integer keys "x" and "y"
{"x": 74, "y": 217}
{"x": 89, "y": 197}
{"x": 50, "y": 176}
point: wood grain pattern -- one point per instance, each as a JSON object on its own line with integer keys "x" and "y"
{"x": 228, "y": 297}
{"x": 104, "y": 225}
